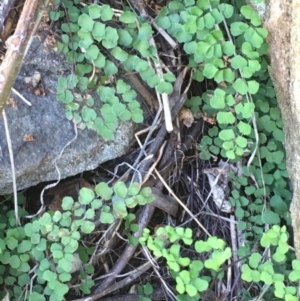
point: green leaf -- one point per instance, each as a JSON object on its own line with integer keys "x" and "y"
{"x": 191, "y": 290}
{"x": 89, "y": 214}
{"x": 246, "y": 110}
{"x": 69, "y": 27}
{"x": 226, "y": 9}
{"x": 122, "y": 87}
{"x": 134, "y": 188}
{"x": 86, "y": 195}
{"x": 209, "y": 71}
{"x": 169, "y": 77}
{"x": 106, "y": 217}
{"x": 98, "y": 32}
{"x": 34, "y": 296}
{"x": 92, "y": 52}
{"x": 228, "y": 48}
{"x": 55, "y": 15}
{"x": 164, "y": 87}
{"x": 147, "y": 73}
{"x": 119, "y": 54}
{"x": 125, "y": 116}
{"x": 244, "y": 128}
{"x": 127, "y": 17}
{"x": 202, "y": 246}
{"x": 153, "y": 81}
{"x": 86, "y": 22}
{"x": 240, "y": 86}
{"x": 88, "y": 114}
{"x": 254, "y": 260}
{"x": 225, "y": 117}
{"x": 106, "y": 13}
{"x": 110, "y": 68}
{"x": 106, "y": 93}
{"x": 119, "y": 209}
{"x": 118, "y": 108}
{"x": 145, "y": 31}
{"x": 278, "y": 204}
{"x": 190, "y": 47}
{"x": 253, "y": 37}
{"x": 241, "y": 141}
{"x": 57, "y": 216}
{"x": 14, "y": 261}
{"x": 238, "y": 28}
{"x": 227, "y": 134}
{"x": 120, "y": 189}
{"x": 105, "y": 132}
{"x": 217, "y": 102}
{"x": 228, "y": 145}
{"x": 270, "y": 217}
{"x": 131, "y": 202}
{"x": 57, "y": 254}
{"x": 125, "y": 38}
{"x": 24, "y": 246}
{"x": 129, "y": 96}
{"x": 228, "y": 76}
{"x": 253, "y": 86}
{"x": 209, "y": 21}
{"x": 277, "y": 157}
{"x": 82, "y": 69}
{"x": 247, "y": 11}
{"x": 11, "y": 243}
{"x": 111, "y": 38}
{"x": 238, "y": 62}
{"x": 137, "y": 115}
{"x": 94, "y": 11}
{"x": 64, "y": 277}
{"x": 87, "y": 227}
{"x": 67, "y": 203}
{"x": 49, "y": 276}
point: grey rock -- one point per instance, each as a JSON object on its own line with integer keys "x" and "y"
{"x": 45, "y": 121}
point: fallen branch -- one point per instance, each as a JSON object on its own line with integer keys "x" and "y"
{"x": 16, "y": 46}
{"x": 5, "y": 7}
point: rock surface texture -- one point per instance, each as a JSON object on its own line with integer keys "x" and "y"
{"x": 283, "y": 23}
{"x": 40, "y": 132}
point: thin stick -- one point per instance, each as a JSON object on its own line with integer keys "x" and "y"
{"x": 21, "y": 96}
{"x": 155, "y": 267}
{"x": 179, "y": 201}
{"x": 12, "y": 165}
{"x": 137, "y": 273}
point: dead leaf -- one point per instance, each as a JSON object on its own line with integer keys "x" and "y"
{"x": 11, "y": 102}
{"x": 34, "y": 79}
{"x": 186, "y": 116}
{"x": 210, "y": 120}
{"x": 76, "y": 263}
{"x": 218, "y": 179}
{"x": 28, "y": 138}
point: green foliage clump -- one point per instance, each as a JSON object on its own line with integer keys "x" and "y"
{"x": 100, "y": 53}
{"x": 226, "y": 46}
{"x": 282, "y": 281}
{"x": 207, "y": 30}
{"x": 192, "y": 276}
{"x": 41, "y": 258}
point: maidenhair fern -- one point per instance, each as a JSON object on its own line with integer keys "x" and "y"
{"x": 96, "y": 49}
